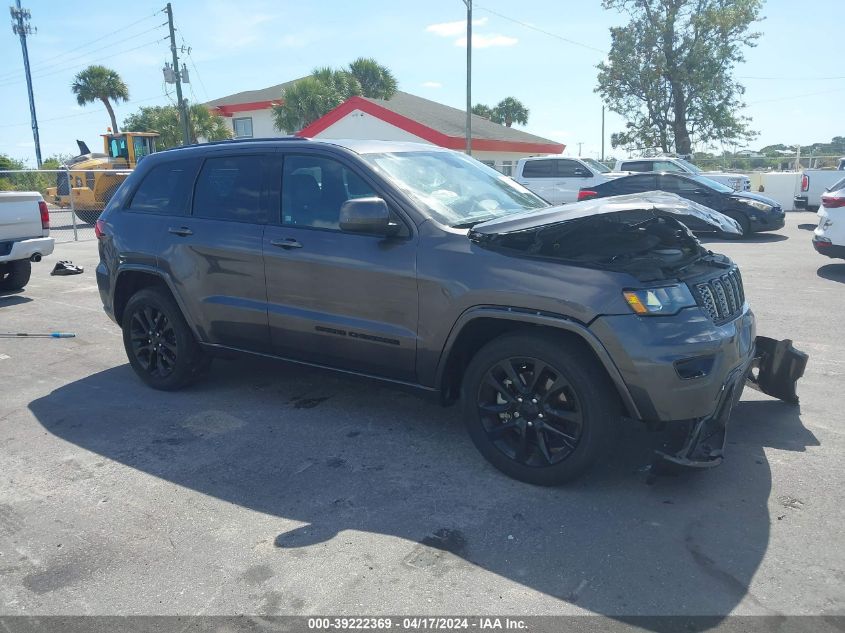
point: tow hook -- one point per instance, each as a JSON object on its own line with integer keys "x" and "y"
{"x": 776, "y": 368}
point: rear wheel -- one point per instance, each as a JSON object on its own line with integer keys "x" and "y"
{"x": 15, "y": 275}
{"x": 159, "y": 344}
{"x": 538, "y": 409}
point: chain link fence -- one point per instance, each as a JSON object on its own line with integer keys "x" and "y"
{"x": 75, "y": 198}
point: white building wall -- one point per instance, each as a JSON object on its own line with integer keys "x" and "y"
{"x": 262, "y": 123}
{"x": 362, "y": 126}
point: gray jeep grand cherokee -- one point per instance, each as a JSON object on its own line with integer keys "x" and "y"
{"x": 420, "y": 266}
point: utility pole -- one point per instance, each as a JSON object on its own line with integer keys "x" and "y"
{"x": 469, "y": 76}
{"x": 602, "y": 133}
{"x": 21, "y": 28}
{"x": 580, "y": 143}
{"x": 177, "y": 75}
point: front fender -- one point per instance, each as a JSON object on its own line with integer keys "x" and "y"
{"x": 545, "y": 319}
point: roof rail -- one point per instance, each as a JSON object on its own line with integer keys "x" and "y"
{"x": 238, "y": 140}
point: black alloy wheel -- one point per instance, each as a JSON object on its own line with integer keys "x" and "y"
{"x": 153, "y": 341}
{"x": 530, "y": 412}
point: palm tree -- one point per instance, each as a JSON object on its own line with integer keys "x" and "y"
{"x": 510, "y": 111}
{"x": 312, "y": 97}
{"x": 205, "y": 124}
{"x": 103, "y": 84}
{"x": 483, "y": 110}
{"x": 377, "y": 82}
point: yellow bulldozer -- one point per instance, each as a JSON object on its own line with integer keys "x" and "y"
{"x": 92, "y": 178}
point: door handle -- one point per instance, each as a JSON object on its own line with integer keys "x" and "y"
{"x": 286, "y": 243}
{"x": 182, "y": 231}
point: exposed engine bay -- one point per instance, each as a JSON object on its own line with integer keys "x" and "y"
{"x": 647, "y": 243}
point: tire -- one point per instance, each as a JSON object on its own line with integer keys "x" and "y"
{"x": 560, "y": 428}
{"x": 170, "y": 358}
{"x": 15, "y": 275}
{"x": 744, "y": 224}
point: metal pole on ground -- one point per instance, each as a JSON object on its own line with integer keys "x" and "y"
{"x": 72, "y": 207}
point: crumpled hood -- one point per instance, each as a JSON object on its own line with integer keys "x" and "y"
{"x": 659, "y": 201}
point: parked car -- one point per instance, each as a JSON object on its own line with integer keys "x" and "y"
{"x": 829, "y": 236}
{"x": 737, "y": 182}
{"x": 557, "y": 179}
{"x": 814, "y": 183}
{"x": 420, "y": 266}
{"x": 24, "y": 236}
{"x": 753, "y": 212}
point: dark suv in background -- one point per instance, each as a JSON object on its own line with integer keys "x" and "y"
{"x": 420, "y": 266}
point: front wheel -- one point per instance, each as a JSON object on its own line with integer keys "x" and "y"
{"x": 538, "y": 409}
{"x": 744, "y": 224}
{"x": 159, "y": 344}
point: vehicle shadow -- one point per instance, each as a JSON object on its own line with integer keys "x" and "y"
{"x": 834, "y": 272}
{"x": 808, "y": 227}
{"x": 340, "y": 454}
{"x": 13, "y": 298}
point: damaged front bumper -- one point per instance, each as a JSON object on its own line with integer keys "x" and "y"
{"x": 774, "y": 369}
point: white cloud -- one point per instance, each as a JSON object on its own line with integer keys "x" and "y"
{"x": 451, "y": 29}
{"x": 431, "y": 84}
{"x": 487, "y": 41}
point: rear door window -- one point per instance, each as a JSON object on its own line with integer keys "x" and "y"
{"x": 667, "y": 165}
{"x": 539, "y": 169}
{"x": 166, "y": 189}
{"x": 230, "y": 188}
{"x": 635, "y": 184}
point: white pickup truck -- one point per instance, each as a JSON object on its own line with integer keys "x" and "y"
{"x": 814, "y": 182}
{"x": 24, "y": 236}
{"x": 558, "y": 179}
{"x": 737, "y": 182}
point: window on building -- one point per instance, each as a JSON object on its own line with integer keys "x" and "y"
{"x": 229, "y": 188}
{"x": 242, "y": 127}
{"x": 166, "y": 189}
{"x": 506, "y": 167}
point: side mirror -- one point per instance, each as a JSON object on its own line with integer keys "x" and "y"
{"x": 365, "y": 215}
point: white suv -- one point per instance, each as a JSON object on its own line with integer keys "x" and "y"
{"x": 737, "y": 182}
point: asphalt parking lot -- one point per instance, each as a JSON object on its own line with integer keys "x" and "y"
{"x": 271, "y": 489}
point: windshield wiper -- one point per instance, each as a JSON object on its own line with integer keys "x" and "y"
{"x": 472, "y": 223}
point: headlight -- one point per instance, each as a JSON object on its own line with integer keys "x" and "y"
{"x": 762, "y": 206}
{"x": 657, "y": 301}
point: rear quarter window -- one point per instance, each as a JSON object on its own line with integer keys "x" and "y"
{"x": 166, "y": 188}
{"x": 638, "y": 165}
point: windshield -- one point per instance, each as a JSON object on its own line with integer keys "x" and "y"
{"x": 693, "y": 169}
{"x": 602, "y": 169}
{"x": 454, "y": 189}
{"x": 704, "y": 180}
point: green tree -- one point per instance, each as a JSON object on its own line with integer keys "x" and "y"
{"x": 98, "y": 83}
{"x": 669, "y": 72}
{"x": 509, "y": 111}
{"x": 312, "y": 97}
{"x": 165, "y": 121}
{"x": 376, "y": 81}
{"x": 483, "y": 110}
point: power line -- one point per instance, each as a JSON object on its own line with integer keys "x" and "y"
{"x": 806, "y": 94}
{"x": 48, "y": 63}
{"x": 79, "y": 114}
{"x": 791, "y": 78}
{"x": 79, "y": 65}
{"x": 544, "y": 32}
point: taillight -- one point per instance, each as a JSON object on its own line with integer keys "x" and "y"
{"x": 586, "y": 194}
{"x": 805, "y": 183}
{"x": 99, "y": 229}
{"x": 45, "y": 215}
{"x": 833, "y": 202}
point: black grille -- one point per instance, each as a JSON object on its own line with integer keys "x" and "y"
{"x": 722, "y": 297}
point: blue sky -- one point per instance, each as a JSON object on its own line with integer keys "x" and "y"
{"x": 252, "y": 44}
